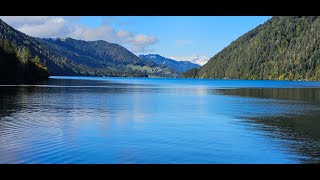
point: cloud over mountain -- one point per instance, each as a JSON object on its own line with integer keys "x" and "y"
{"x": 59, "y": 26}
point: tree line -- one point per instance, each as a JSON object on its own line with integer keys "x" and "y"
{"x": 18, "y": 64}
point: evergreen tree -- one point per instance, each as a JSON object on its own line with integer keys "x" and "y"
{"x": 24, "y": 55}
{"x": 15, "y": 65}
{"x": 36, "y": 60}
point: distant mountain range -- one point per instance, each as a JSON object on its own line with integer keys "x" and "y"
{"x": 283, "y": 48}
{"x": 67, "y": 56}
{"x": 196, "y": 59}
{"x": 180, "y": 66}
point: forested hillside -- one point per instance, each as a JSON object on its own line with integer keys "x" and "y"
{"x": 283, "y": 48}
{"x": 112, "y": 59}
{"x": 76, "y": 57}
{"x": 180, "y": 66}
{"x": 19, "y": 65}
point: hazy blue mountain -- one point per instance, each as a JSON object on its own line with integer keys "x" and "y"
{"x": 180, "y": 66}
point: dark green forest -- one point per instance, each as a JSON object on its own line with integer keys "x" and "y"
{"x": 283, "y": 48}
{"x": 104, "y": 58}
{"x": 19, "y": 65}
{"x": 87, "y": 58}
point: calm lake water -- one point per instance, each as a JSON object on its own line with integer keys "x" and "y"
{"x": 140, "y": 120}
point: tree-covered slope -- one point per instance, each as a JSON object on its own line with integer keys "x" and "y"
{"x": 76, "y": 57}
{"x": 19, "y": 65}
{"x": 102, "y": 54}
{"x": 283, "y": 48}
{"x": 180, "y": 66}
{"x": 56, "y": 65}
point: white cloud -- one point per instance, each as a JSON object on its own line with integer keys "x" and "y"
{"x": 39, "y": 26}
{"x": 137, "y": 49}
{"x": 51, "y": 27}
{"x": 20, "y": 20}
{"x": 201, "y": 60}
{"x": 123, "y": 34}
{"x": 139, "y": 42}
{"x": 105, "y": 32}
{"x": 141, "y": 39}
{"x": 58, "y": 26}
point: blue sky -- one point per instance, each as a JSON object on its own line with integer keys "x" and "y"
{"x": 169, "y": 36}
{"x": 185, "y": 35}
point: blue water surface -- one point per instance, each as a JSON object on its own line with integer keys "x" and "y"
{"x": 145, "y": 120}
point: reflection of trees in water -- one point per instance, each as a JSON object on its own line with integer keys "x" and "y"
{"x": 311, "y": 95}
{"x": 301, "y": 125}
{"x": 303, "y": 129}
{"x": 8, "y": 102}
{"x": 93, "y": 83}
{"x": 15, "y": 98}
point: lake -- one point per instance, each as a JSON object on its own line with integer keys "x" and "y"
{"x": 144, "y": 120}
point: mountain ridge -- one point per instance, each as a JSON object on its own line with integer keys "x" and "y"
{"x": 67, "y": 56}
{"x": 180, "y": 66}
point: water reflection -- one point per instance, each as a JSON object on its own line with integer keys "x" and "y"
{"x": 158, "y": 121}
{"x": 7, "y": 100}
{"x": 299, "y": 124}
{"x": 310, "y": 95}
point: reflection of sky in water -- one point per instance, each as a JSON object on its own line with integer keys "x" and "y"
{"x": 123, "y": 120}
{"x": 290, "y": 115}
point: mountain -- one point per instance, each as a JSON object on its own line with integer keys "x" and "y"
{"x": 196, "y": 59}
{"x": 283, "y": 48}
{"x": 180, "y": 66}
{"x": 17, "y": 65}
{"x": 104, "y": 55}
{"x": 66, "y": 56}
